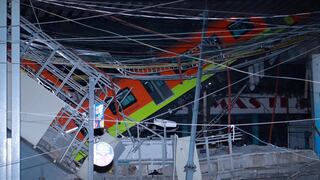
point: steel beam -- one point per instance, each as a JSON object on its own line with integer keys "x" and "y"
{"x": 190, "y": 166}
{"x": 3, "y": 89}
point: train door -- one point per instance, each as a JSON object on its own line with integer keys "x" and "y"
{"x": 158, "y": 90}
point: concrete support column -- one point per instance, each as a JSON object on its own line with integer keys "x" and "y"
{"x": 315, "y": 67}
{"x": 15, "y": 89}
{"x": 3, "y": 89}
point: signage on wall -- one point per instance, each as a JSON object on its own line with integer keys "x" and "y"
{"x": 99, "y": 116}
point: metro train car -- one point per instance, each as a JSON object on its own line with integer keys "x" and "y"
{"x": 138, "y": 100}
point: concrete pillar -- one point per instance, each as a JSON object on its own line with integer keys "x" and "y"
{"x": 15, "y": 89}
{"x": 3, "y": 89}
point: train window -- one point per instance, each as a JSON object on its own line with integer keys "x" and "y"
{"x": 126, "y": 99}
{"x": 240, "y": 27}
{"x": 158, "y": 90}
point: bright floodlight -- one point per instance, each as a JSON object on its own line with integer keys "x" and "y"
{"x": 103, "y": 154}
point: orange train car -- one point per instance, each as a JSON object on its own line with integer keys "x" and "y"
{"x": 140, "y": 99}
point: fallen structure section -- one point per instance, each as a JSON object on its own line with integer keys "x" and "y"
{"x": 38, "y": 108}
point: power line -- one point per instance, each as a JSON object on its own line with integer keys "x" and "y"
{"x": 207, "y": 52}
{"x": 145, "y": 44}
{"x": 98, "y": 4}
{"x": 171, "y": 17}
{"x": 107, "y": 39}
{"x": 35, "y": 15}
{"x": 100, "y": 15}
{"x": 90, "y": 8}
{"x": 183, "y": 33}
{"x": 239, "y": 47}
{"x": 109, "y": 32}
{"x": 180, "y": 124}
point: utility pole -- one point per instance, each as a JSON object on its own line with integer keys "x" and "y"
{"x": 90, "y": 125}
{"x": 190, "y": 166}
{"x": 205, "y": 114}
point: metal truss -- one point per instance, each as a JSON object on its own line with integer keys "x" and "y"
{"x": 66, "y": 137}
